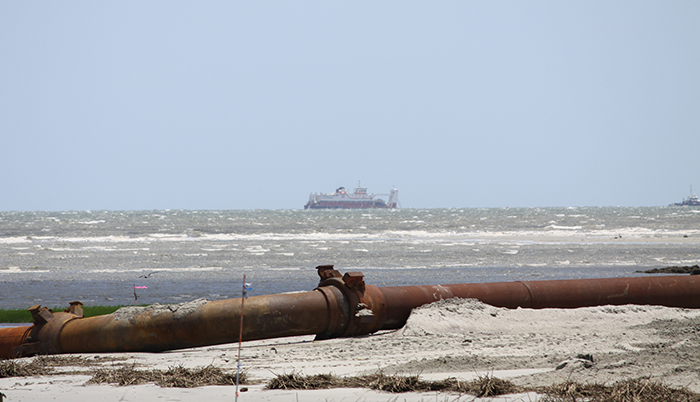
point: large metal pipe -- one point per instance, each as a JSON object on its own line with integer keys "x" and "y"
{"x": 341, "y": 306}
{"x": 670, "y": 291}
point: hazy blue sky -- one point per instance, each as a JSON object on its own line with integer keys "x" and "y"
{"x": 241, "y": 105}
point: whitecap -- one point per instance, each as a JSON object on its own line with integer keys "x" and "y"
{"x": 15, "y": 240}
{"x": 565, "y": 227}
{"x": 18, "y": 270}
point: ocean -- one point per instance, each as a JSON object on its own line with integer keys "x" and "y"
{"x": 98, "y": 257}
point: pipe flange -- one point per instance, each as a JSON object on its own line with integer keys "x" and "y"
{"x": 338, "y": 311}
{"x": 362, "y": 307}
{"x": 44, "y": 335}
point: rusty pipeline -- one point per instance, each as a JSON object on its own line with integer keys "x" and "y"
{"x": 341, "y": 306}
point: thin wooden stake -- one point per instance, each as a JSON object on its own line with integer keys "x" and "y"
{"x": 240, "y": 339}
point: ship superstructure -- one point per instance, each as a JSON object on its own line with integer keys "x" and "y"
{"x": 341, "y": 199}
{"x": 692, "y": 200}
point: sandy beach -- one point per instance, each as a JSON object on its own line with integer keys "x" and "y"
{"x": 455, "y": 338}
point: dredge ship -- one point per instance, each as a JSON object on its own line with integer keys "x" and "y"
{"x": 341, "y": 199}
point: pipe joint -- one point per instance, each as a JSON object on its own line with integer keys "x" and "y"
{"x": 354, "y": 308}
{"x": 44, "y": 337}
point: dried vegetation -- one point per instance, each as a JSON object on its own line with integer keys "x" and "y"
{"x": 637, "y": 390}
{"x": 173, "y": 377}
{"x": 14, "y": 368}
{"x": 482, "y": 387}
{"x": 178, "y": 376}
{"x": 44, "y": 365}
{"x": 634, "y": 390}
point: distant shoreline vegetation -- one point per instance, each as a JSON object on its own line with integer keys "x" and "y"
{"x": 693, "y": 270}
{"x": 23, "y": 315}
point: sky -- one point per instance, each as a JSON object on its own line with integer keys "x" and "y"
{"x": 140, "y": 105}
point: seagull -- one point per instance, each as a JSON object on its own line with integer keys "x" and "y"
{"x": 148, "y": 275}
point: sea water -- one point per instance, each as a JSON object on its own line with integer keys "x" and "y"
{"x": 98, "y": 257}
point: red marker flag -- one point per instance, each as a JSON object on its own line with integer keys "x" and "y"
{"x": 135, "y": 295}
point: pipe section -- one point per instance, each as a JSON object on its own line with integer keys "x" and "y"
{"x": 670, "y": 291}
{"x": 341, "y": 306}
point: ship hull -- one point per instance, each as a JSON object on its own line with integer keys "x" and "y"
{"x": 345, "y": 205}
{"x": 686, "y": 204}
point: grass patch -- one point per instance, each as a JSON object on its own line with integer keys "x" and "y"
{"x": 23, "y": 315}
